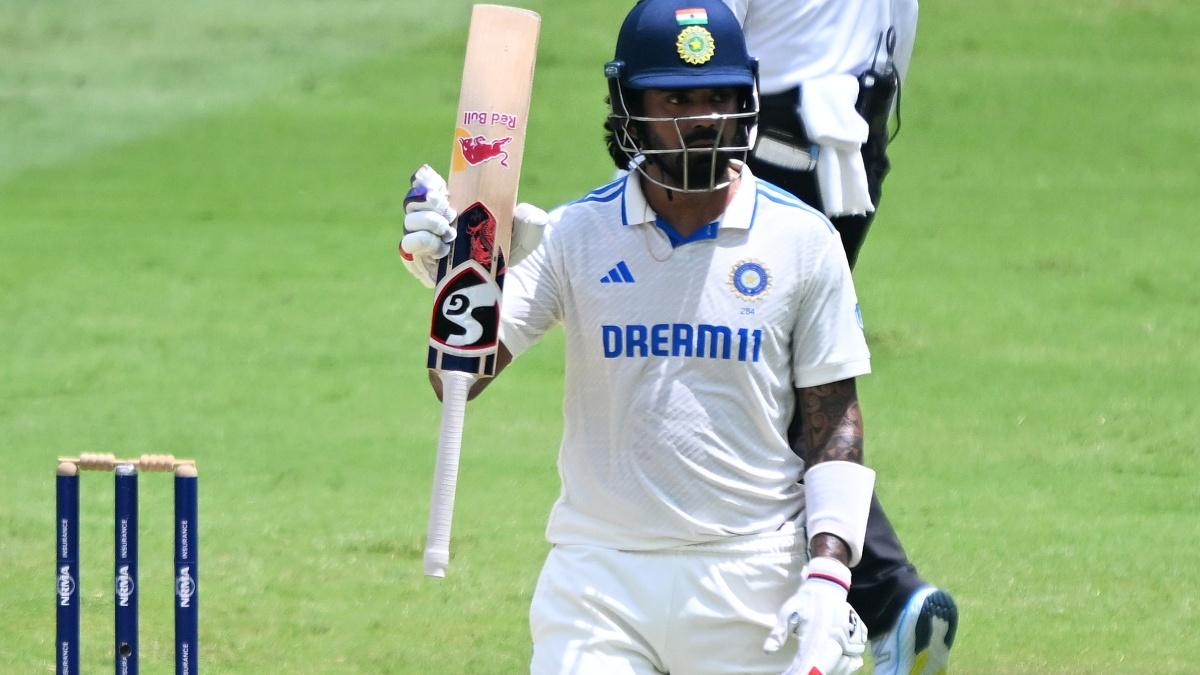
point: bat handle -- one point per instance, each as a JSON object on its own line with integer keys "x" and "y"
{"x": 455, "y": 387}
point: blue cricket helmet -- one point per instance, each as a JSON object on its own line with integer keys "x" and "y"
{"x": 681, "y": 44}
{"x": 673, "y": 45}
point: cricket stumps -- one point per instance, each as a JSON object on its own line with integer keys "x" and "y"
{"x": 125, "y": 559}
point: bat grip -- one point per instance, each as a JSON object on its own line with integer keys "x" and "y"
{"x": 455, "y": 387}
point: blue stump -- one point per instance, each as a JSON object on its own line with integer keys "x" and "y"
{"x": 187, "y": 571}
{"x": 125, "y": 570}
{"x": 66, "y": 569}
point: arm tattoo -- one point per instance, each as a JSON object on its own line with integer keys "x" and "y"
{"x": 832, "y": 423}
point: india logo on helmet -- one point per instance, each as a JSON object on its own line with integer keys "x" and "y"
{"x": 696, "y": 45}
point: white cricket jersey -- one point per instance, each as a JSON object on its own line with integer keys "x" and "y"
{"x": 798, "y": 40}
{"x": 681, "y": 361}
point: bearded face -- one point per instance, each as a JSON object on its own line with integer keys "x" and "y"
{"x": 700, "y": 162}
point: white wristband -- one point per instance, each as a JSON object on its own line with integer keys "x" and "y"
{"x": 829, "y": 570}
{"x": 837, "y": 501}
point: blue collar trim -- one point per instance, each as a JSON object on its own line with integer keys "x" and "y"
{"x": 709, "y": 231}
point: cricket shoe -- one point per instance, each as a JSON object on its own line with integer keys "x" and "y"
{"x": 919, "y": 643}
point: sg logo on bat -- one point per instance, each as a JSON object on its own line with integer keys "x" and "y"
{"x": 467, "y": 315}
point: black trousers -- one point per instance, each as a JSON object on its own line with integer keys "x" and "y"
{"x": 884, "y": 578}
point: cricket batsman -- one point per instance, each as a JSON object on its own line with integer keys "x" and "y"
{"x": 702, "y": 309}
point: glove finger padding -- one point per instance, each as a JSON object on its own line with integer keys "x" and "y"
{"x": 424, "y": 245}
{"x": 429, "y": 222}
{"x": 429, "y": 193}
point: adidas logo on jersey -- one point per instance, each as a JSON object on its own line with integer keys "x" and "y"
{"x": 618, "y": 275}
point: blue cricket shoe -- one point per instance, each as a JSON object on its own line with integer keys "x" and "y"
{"x": 919, "y": 643}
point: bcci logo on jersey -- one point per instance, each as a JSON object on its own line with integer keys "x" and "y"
{"x": 750, "y": 279}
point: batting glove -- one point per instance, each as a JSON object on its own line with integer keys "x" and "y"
{"x": 428, "y": 226}
{"x": 427, "y": 230}
{"x": 832, "y": 638}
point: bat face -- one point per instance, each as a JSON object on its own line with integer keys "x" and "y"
{"x": 485, "y": 168}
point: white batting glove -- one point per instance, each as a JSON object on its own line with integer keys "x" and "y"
{"x": 427, "y": 230}
{"x": 832, "y": 638}
{"x": 428, "y": 226}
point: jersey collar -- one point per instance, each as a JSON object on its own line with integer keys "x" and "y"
{"x": 739, "y": 215}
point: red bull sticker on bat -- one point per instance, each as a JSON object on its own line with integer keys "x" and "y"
{"x": 475, "y": 149}
{"x": 489, "y": 119}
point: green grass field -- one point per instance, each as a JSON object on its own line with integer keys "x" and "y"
{"x": 199, "y": 208}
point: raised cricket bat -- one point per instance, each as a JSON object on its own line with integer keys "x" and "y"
{"x": 485, "y": 167}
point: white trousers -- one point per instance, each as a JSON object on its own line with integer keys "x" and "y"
{"x": 694, "y": 610}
